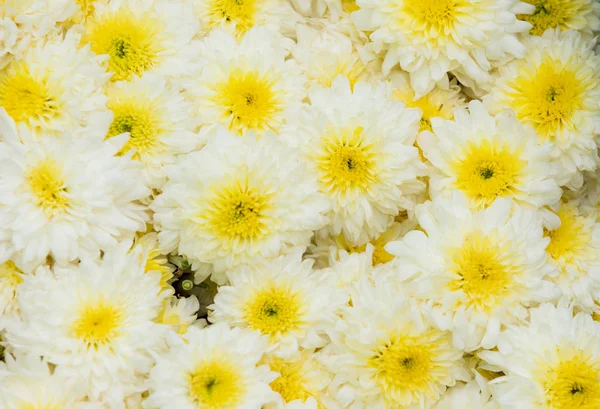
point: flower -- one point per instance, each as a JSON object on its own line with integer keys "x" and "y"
{"x": 283, "y": 299}
{"x": 430, "y": 38}
{"x": 245, "y": 85}
{"x": 85, "y": 320}
{"x": 486, "y": 157}
{"x": 479, "y": 270}
{"x": 65, "y": 199}
{"x": 581, "y": 15}
{"x": 358, "y": 143}
{"x": 551, "y": 362}
{"x": 556, "y": 91}
{"x": 218, "y": 368}
{"x": 238, "y": 200}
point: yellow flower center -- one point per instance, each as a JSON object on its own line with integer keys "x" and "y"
{"x": 406, "y": 367}
{"x": 25, "y": 98}
{"x": 216, "y": 384}
{"x": 240, "y": 12}
{"x": 548, "y": 97}
{"x": 132, "y": 42}
{"x": 574, "y": 384}
{"x": 141, "y": 121}
{"x": 435, "y": 19}
{"x": 47, "y": 184}
{"x": 549, "y": 14}
{"x": 98, "y": 324}
{"x": 486, "y": 172}
{"x": 347, "y": 162}
{"x": 249, "y": 101}
{"x": 291, "y": 382}
{"x": 481, "y": 273}
{"x": 571, "y": 239}
{"x": 240, "y": 212}
{"x": 274, "y": 311}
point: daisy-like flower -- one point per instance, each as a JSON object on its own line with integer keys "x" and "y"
{"x": 302, "y": 382}
{"x": 10, "y": 279}
{"x": 430, "y": 38}
{"x": 217, "y": 368}
{"x": 553, "y": 362}
{"x": 143, "y": 35}
{"x": 479, "y": 270}
{"x": 486, "y": 157}
{"x": 245, "y": 85}
{"x": 388, "y": 355}
{"x": 55, "y": 87}
{"x": 282, "y": 298}
{"x": 582, "y": 15}
{"x": 64, "y": 199}
{"x": 556, "y": 90}
{"x": 22, "y": 22}
{"x": 94, "y": 320}
{"x": 30, "y": 383}
{"x": 574, "y": 250}
{"x": 359, "y": 144}
{"x": 158, "y": 119}
{"x": 237, "y": 200}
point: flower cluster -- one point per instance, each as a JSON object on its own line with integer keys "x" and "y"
{"x": 299, "y": 204}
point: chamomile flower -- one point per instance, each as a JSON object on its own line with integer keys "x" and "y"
{"x": 11, "y": 278}
{"x": 359, "y": 145}
{"x": 158, "y": 119}
{"x": 429, "y": 38}
{"x": 217, "y": 368}
{"x": 238, "y": 200}
{"x": 486, "y": 157}
{"x": 30, "y": 383}
{"x": 245, "y": 85}
{"x": 283, "y": 299}
{"x": 552, "y": 362}
{"x": 64, "y": 199}
{"x": 93, "y": 320}
{"x": 556, "y": 90}
{"x": 389, "y": 356}
{"x": 23, "y": 22}
{"x": 582, "y": 15}
{"x": 574, "y": 250}
{"x": 479, "y": 270}
{"x": 143, "y": 35}
{"x": 55, "y": 87}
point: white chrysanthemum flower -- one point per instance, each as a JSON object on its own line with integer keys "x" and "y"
{"x": 430, "y": 38}
{"x": 553, "y": 362}
{"x": 574, "y": 250}
{"x": 65, "y": 199}
{"x": 245, "y": 85}
{"x": 582, "y": 15}
{"x": 22, "y": 22}
{"x": 486, "y": 157}
{"x": 472, "y": 395}
{"x": 11, "y": 278}
{"x": 556, "y": 90}
{"x": 237, "y": 200}
{"x": 302, "y": 382}
{"x": 55, "y": 87}
{"x": 158, "y": 119}
{"x": 481, "y": 270}
{"x": 325, "y": 53}
{"x": 388, "y": 355}
{"x": 282, "y": 298}
{"x": 143, "y": 35}
{"x": 29, "y": 383}
{"x": 217, "y": 368}
{"x": 178, "y": 314}
{"x": 438, "y": 103}
{"x": 94, "y": 320}
{"x": 359, "y": 144}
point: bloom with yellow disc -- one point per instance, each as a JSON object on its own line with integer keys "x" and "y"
{"x": 556, "y": 91}
{"x": 486, "y": 157}
{"x": 582, "y": 15}
{"x": 550, "y": 362}
{"x": 479, "y": 270}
